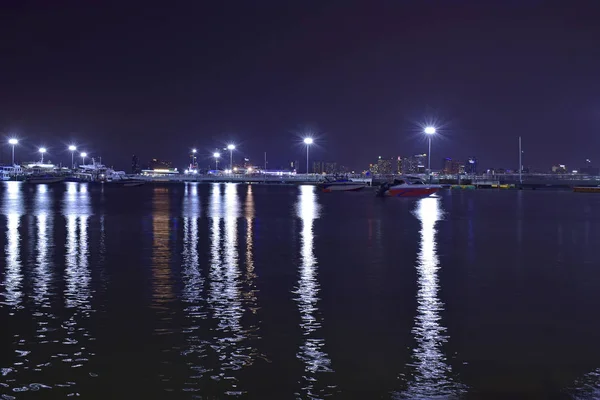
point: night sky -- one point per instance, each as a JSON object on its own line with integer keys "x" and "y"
{"x": 363, "y": 75}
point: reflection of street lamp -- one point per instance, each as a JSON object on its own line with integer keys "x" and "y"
{"x": 13, "y": 142}
{"x": 429, "y": 131}
{"x": 72, "y": 149}
{"x": 231, "y": 148}
{"x": 216, "y": 156}
{"x": 307, "y": 141}
{"x": 42, "y": 151}
{"x": 83, "y": 156}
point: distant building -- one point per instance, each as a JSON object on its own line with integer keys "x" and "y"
{"x": 318, "y": 167}
{"x": 159, "y": 164}
{"x": 135, "y": 165}
{"x": 451, "y": 167}
{"x": 384, "y": 165}
{"x": 322, "y": 167}
{"x": 415, "y": 164}
{"x": 559, "y": 169}
{"x": 471, "y": 166}
{"x": 294, "y": 166}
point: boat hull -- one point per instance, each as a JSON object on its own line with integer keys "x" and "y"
{"x": 411, "y": 191}
{"x": 339, "y": 187}
{"x": 40, "y": 181}
{"x": 127, "y": 183}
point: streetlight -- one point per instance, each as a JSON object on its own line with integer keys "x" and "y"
{"x": 83, "y": 156}
{"x": 307, "y": 141}
{"x": 13, "y": 142}
{"x": 231, "y": 148}
{"x": 429, "y": 131}
{"x": 193, "y": 159}
{"x": 72, "y": 149}
{"x": 216, "y": 155}
{"x": 42, "y": 151}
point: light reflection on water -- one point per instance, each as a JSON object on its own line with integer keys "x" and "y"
{"x": 193, "y": 290}
{"x": 161, "y": 254}
{"x": 44, "y": 213}
{"x": 431, "y": 375}
{"x": 12, "y": 208}
{"x": 316, "y": 360}
{"x": 228, "y": 294}
{"x": 78, "y": 293}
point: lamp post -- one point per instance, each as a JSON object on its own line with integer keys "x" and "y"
{"x": 42, "y": 151}
{"x": 72, "y": 149}
{"x": 216, "y": 155}
{"x": 193, "y": 159}
{"x": 13, "y": 142}
{"x": 429, "y": 131}
{"x": 83, "y": 156}
{"x": 231, "y": 148}
{"x": 307, "y": 141}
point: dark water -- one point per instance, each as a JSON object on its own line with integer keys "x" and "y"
{"x": 216, "y": 291}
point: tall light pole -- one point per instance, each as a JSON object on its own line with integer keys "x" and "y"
{"x": 216, "y": 155}
{"x": 83, "y": 156}
{"x": 72, "y": 149}
{"x": 307, "y": 141}
{"x": 429, "y": 131}
{"x": 13, "y": 142}
{"x": 193, "y": 156}
{"x": 42, "y": 151}
{"x": 231, "y": 148}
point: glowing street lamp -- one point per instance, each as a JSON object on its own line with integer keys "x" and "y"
{"x": 42, "y": 151}
{"x": 193, "y": 159}
{"x": 429, "y": 131}
{"x": 83, "y": 156}
{"x": 216, "y": 155}
{"x": 307, "y": 141}
{"x": 13, "y": 142}
{"x": 72, "y": 149}
{"x": 231, "y": 148}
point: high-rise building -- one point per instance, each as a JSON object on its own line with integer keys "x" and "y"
{"x": 384, "y": 166}
{"x": 318, "y": 167}
{"x": 471, "y": 166}
{"x": 451, "y": 167}
{"x": 415, "y": 164}
{"x": 135, "y": 165}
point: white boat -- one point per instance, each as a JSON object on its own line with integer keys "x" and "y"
{"x": 99, "y": 173}
{"x": 407, "y": 187}
{"x": 341, "y": 185}
{"x": 10, "y": 172}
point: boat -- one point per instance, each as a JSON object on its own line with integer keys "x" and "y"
{"x": 99, "y": 173}
{"x": 44, "y": 179}
{"x": 341, "y": 185}
{"x": 586, "y": 189}
{"x": 407, "y": 187}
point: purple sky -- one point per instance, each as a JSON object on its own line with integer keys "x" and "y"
{"x": 124, "y": 79}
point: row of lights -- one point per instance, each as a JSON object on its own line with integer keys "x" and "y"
{"x": 13, "y": 142}
{"x": 307, "y": 141}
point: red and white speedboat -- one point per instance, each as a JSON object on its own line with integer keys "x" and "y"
{"x": 407, "y": 187}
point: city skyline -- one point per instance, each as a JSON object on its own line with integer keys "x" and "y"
{"x": 363, "y": 77}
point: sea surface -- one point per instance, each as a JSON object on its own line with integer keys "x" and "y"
{"x": 214, "y": 291}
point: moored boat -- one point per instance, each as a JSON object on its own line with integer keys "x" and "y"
{"x": 407, "y": 187}
{"x": 341, "y": 185}
{"x": 44, "y": 179}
